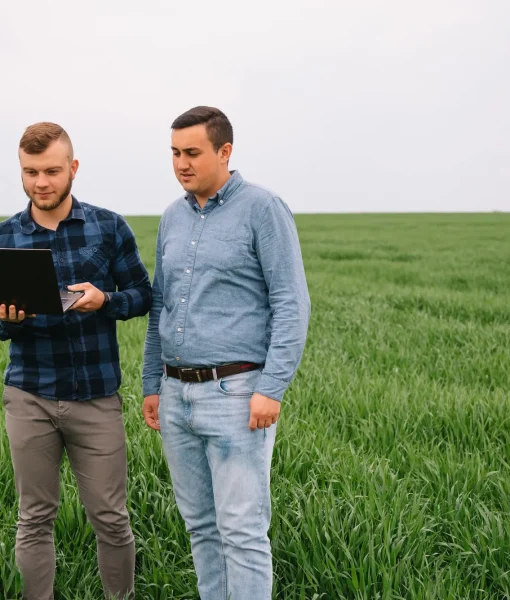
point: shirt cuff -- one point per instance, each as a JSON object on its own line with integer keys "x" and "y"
{"x": 271, "y": 387}
{"x": 151, "y": 385}
{"x": 10, "y": 328}
{"x": 118, "y": 304}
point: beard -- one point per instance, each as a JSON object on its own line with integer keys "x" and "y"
{"x": 58, "y": 201}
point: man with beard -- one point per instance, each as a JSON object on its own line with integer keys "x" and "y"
{"x": 61, "y": 385}
{"x": 229, "y": 323}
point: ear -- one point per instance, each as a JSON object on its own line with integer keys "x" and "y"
{"x": 74, "y": 168}
{"x": 225, "y": 152}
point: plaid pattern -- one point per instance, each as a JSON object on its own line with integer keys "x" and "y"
{"x": 75, "y": 356}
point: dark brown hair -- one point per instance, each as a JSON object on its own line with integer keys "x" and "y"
{"x": 39, "y": 136}
{"x": 218, "y": 127}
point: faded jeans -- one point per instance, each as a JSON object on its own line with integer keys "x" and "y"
{"x": 220, "y": 475}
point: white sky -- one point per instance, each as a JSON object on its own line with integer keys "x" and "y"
{"x": 338, "y": 106}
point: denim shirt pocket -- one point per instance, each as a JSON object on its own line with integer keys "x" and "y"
{"x": 229, "y": 253}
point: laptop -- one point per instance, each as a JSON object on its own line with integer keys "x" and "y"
{"x": 29, "y": 281}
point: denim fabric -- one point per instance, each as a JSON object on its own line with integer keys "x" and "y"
{"x": 229, "y": 286}
{"x": 220, "y": 473}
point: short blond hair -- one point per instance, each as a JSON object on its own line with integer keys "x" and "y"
{"x": 37, "y": 138}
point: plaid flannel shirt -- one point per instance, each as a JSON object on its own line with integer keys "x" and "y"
{"x": 75, "y": 356}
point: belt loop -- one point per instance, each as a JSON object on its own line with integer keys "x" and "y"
{"x": 214, "y": 374}
{"x": 164, "y": 372}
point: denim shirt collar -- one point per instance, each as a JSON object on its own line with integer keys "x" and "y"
{"x": 223, "y": 194}
{"x": 28, "y": 225}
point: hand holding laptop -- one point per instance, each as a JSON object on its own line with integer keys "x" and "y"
{"x": 11, "y": 316}
{"x": 92, "y": 299}
{"x": 29, "y": 283}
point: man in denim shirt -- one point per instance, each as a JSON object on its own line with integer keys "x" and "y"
{"x": 64, "y": 372}
{"x": 228, "y": 322}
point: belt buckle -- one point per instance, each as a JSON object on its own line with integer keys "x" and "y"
{"x": 189, "y": 370}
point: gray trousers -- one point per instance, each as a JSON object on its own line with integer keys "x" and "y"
{"x": 93, "y": 436}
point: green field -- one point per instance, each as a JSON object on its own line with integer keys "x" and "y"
{"x": 391, "y": 473}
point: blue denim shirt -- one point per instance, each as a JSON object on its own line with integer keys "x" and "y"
{"x": 229, "y": 286}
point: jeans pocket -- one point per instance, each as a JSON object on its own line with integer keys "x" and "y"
{"x": 241, "y": 384}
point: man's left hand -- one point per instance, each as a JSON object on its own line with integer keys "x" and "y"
{"x": 264, "y": 411}
{"x": 91, "y": 301}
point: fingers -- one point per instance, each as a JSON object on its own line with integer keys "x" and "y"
{"x": 92, "y": 299}
{"x": 10, "y": 314}
{"x": 261, "y": 423}
{"x": 151, "y": 420}
{"x": 153, "y": 424}
{"x": 155, "y": 417}
{"x": 81, "y": 304}
{"x": 148, "y": 417}
{"x": 4, "y": 312}
{"x": 150, "y": 412}
{"x": 264, "y": 411}
{"x": 80, "y": 287}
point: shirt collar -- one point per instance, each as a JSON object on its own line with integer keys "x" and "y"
{"x": 223, "y": 194}
{"x": 28, "y": 225}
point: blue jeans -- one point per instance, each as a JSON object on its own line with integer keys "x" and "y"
{"x": 220, "y": 475}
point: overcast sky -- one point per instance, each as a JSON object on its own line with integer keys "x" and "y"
{"x": 338, "y": 106}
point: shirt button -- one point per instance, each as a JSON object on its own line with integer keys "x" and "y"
{"x": 177, "y": 358}
{"x": 188, "y": 271}
{"x": 179, "y": 328}
{"x": 193, "y": 243}
{"x": 183, "y": 300}
{"x": 221, "y": 201}
{"x": 202, "y": 216}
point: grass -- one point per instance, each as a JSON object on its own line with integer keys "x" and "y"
{"x": 391, "y": 474}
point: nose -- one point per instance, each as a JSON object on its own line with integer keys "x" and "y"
{"x": 182, "y": 163}
{"x": 41, "y": 181}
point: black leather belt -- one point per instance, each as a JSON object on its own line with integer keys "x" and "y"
{"x": 200, "y": 374}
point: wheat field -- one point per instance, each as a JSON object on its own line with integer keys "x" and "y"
{"x": 391, "y": 471}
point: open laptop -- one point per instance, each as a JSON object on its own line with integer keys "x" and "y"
{"x": 29, "y": 281}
